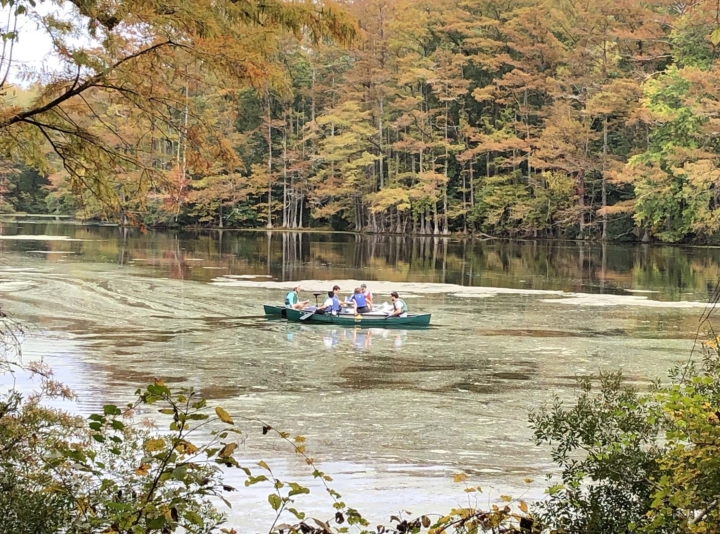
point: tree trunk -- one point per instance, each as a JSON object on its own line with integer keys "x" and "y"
{"x": 269, "y": 169}
{"x": 446, "y": 229}
{"x": 464, "y": 190}
{"x": 185, "y": 130}
{"x": 604, "y": 179}
{"x": 300, "y": 210}
{"x": 285, "y": 184}
{"x": 380, "y": 147}
{"x": 581, "y": 202}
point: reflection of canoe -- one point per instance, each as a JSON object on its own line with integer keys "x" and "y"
{"x": 367, "y": 320}
{"x": 274, "y": 310}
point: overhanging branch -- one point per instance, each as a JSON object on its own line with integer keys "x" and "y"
{"x": 77, "y": 89}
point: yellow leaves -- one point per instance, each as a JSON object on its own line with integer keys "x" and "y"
{"x": 715, "y": 37}
{"x": 227, "y": 450}
{"x": 185, "y": 447}
{"x": 623, "y": 206}
{"x": 224, "y": 416}
{"x": 155, "y": 444}
{"x": 505, "y": 498}
{"x": 264, "y": 465}
{"x": 619, "y": 96}
{"x": 142, "y": 470}
{"x": 460, "y": 477}
{"x": 388, "y": 197}
{"x": 524, "y": 507}
{"x": 85, "y": 507}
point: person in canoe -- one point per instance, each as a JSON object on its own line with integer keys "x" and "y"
{"x": 359, "y": 301}
{"x": 368, "y": 295}
{"x": 331, "y": 304}
{"x": 400, "y": 309}
{"x": 292, "y": 299}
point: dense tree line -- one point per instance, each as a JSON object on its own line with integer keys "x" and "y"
{"x": 521, "y": 118}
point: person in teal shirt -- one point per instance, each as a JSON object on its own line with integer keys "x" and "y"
{"x": 292, "y": 299}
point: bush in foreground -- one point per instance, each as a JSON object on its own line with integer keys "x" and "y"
{"x": 645, "y": 462}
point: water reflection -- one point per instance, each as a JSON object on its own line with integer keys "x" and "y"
{"x": 358, "y": 339}
{"x": 568, "y": 266}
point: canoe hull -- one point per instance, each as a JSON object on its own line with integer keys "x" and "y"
{"x": 365, "y": 321}
{"x": 273, "y": 310}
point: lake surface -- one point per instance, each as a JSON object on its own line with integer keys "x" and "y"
{"x": 392, "y": 415}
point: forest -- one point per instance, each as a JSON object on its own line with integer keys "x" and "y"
{"x": 512, "y": 118}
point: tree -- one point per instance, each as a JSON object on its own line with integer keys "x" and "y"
{"x": 128, "y": 40}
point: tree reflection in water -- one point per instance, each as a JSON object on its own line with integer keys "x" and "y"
{"x": 557, "y": 265}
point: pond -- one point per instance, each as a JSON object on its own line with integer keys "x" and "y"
{"x": 392, "y": 415}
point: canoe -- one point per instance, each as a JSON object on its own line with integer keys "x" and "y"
{"x": 367, "y": 320}
{"x": 271, "y": 309}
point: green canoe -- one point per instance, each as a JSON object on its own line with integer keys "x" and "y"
{"x": 367, "y": 320}
{"x": 271, "y": 309}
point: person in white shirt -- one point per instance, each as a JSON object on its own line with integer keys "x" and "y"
{"x": 327, "y": 306}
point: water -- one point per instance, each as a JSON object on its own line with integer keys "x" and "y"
{"x": 390, "y": 414}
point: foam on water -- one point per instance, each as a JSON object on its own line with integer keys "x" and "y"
{"x": 410, "y": 289}
{"x": 39, "y": 238}
{"x": 586, "y": 299}
{"x": 380, "y": 287}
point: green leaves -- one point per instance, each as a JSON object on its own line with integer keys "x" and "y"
{"x": 275, "y": 501}
{"x": 297, "y": 489}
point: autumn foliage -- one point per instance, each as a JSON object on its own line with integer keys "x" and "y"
{"x": 526, "y": 118}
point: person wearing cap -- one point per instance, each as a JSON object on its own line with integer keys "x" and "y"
{"x": 292, "y": 300}
{"x": 368, "y": 295}
{"x": 400, "y": 309}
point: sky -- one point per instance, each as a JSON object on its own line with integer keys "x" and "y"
{"x": 33, "y": 49}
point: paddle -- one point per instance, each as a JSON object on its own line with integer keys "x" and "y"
{"x": 308, "y": 314}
